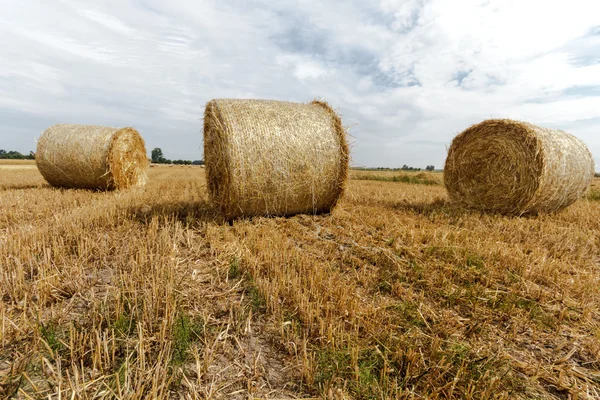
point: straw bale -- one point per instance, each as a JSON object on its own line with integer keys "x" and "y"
{"x": 517, "y": 168}
{"x": 272, "y": 158}
{"x": 92, "y": 157}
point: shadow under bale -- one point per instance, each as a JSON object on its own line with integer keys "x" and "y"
{"x": 25, "y": 186}
{"x": 437, "y": 206}
{"x": 442, "y": 206}
{"x": 186, "y": 212}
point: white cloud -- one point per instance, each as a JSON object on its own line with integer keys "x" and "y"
{"x": 407, "y": 75}
{"x": 303, "y": 68}
{"x": 107, "y": 21}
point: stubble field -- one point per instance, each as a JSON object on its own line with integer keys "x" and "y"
{"x": 148, "y": 293}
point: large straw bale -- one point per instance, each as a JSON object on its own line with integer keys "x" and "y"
{"x": 515, "y": 167}
{"x": 92, "y": 157}
{"x": 270, "y": 158}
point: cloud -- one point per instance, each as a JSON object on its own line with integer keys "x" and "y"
{"x": 303, "y": 67}
{"x": 406, "y": 75}
{"x": 107, "y": 21}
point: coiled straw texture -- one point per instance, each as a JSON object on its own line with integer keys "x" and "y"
{"x": 273, "y": 158}
{"x": 515, "y": 167}
{"x": 92, "y": 157}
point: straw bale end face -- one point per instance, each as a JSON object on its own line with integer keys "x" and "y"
{"x": 517, "y": 168}
{"x": 92, "y": 157}
{"x": 273, "y": 158}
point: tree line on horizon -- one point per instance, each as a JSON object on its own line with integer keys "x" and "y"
{"x": 158, "y": 157}
{"x": 405, "y": 167}
{"x": 15, "y": 155}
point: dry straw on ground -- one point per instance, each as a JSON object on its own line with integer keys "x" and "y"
{"x": 92, "y": 157}
{"x": 274, "y": 158}
{"x": 514, "y": 167}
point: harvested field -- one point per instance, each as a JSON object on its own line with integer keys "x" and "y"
{"x": 17, "y": 164}
{"x": 5, "y": 162}
{"x": 17, "y": 167}
{"x": 149, "y": 293}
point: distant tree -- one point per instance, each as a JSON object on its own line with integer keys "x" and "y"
{"x": 157, "y": 155}
{"x": 198, "y": 162}
{"x": 430, "y": 168}
{"x": 15, "y": 155}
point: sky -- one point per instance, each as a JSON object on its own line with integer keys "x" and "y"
{"x": 405, "y": 75}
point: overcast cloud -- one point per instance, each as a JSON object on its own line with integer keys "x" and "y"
{"x": 406, "y": 75}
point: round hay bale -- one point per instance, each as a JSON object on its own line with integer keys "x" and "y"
{"x": 514, "y": 167}
{"x": 273, "y": 158}
{"x": 92, "y": 157}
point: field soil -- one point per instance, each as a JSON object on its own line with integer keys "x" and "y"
{"x": 149, "y": 293}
